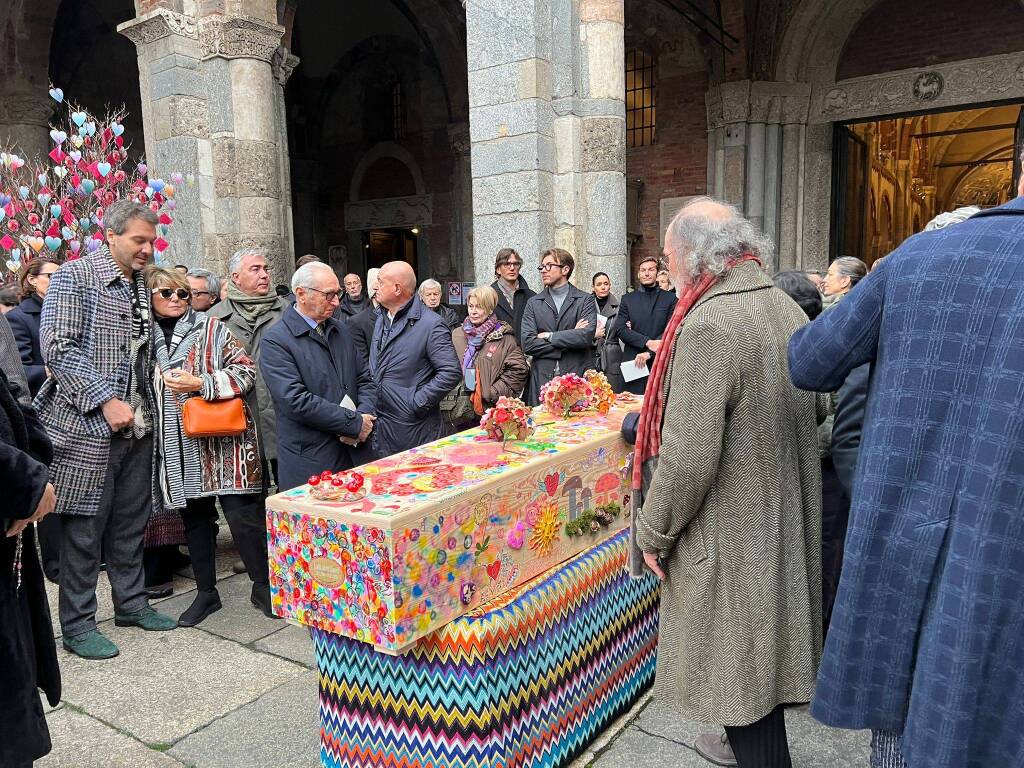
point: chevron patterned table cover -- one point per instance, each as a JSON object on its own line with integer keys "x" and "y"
{"x": 445, "y": 528}
{"x": 527, "y": 680}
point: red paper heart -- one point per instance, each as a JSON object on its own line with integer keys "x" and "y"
{"x": 160, "y": 245}
{"x": 551, "y": 483}
{"x": 165, "y": 219}
{"x": 54, "y": 230}
{"x": 119, "y": 141}
{"x": 57, "y": 155}
{"x": 7, "y": 242}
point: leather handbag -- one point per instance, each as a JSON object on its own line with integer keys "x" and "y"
{"x": 213, "y": 418}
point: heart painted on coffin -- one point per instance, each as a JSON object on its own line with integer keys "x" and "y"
{"x": 494, "y": 569}
{"x": 551, "y": 483}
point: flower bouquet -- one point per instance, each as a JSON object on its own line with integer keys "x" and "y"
{"x": 337, "y": 486}
{"x": 603, "y": 397}
{"x": 566, "y": 394}
{"x": 509, "y": 419}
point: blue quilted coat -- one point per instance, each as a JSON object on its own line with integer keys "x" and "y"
{"x": 928, "y": 630}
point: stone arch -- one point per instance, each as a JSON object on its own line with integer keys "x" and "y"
{"x": 385, "y": 149}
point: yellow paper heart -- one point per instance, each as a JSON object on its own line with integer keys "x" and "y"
{"x": 36, "y": 243}
{"x": 77, "y": 141}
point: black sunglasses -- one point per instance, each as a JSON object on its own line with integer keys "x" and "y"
{"x": 166, "y": 293}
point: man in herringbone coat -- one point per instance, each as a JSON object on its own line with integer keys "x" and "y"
{"x": 731, "y": 518}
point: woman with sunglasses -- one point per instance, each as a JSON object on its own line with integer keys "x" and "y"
{"x": 197, "y": 356}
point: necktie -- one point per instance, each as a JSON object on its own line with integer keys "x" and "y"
{"x": 321, "y": 331}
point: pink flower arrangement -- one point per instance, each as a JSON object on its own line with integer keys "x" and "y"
{"x": 566, "y": 394}
{"x": 603, "y": 397}
{"x": 509, "y": 419}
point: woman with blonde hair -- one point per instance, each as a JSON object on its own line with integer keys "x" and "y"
{"x": 492, "y": 363}
{"x": 196, "y": 355}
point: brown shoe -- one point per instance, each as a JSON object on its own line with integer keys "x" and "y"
{"x": 715, "y": 748}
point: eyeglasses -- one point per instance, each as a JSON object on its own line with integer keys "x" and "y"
{"x": 329, "y": 294}
{"x": 167, "y": 293}
{"x": 201, "y": 293}
{"x": 546, "y": 267}
{"x": 513, "y": 264}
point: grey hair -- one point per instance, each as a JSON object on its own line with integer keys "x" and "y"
{"x": 851, "y": 267}
{"x": 705, "y": 246}
{"x": 120, "y": 212}
{"x": 949, "y": 218}
{"x": 304, "y": 275}
{"x": 429, "y": 285}
{"x": 212, "y": 281}
{"x": 235, "y": 262}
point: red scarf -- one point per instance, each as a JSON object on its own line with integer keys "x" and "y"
{"x": 648, "y": 433}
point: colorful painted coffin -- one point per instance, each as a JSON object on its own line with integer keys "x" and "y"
{"x": 444, "y": 528}
{"x": 527, "y": 681}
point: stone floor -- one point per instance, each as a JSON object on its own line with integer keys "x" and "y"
{"x": 240, "y": 691}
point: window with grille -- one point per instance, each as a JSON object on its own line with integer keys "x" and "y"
{"x": 397, "y": 113}
{"x": 640, "y": 108}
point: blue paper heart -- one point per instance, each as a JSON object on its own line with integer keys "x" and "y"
{"x": 79, "y": 118}
{"x": 103, "y": 168}
{"x": 42, "y": 179}
{"x": 117, "y": 129}
{"x": 23, "y": 191}
{"x": 82, "y": 132}
{"x": 3, "y": 214}
{"x": 150, "y": 192}
{"x": 158, "y": 184}
{"x": 5, "y": 200}
{"x": 86, "y": 223}
{"x": 53, "y": 243}
{"x": 56, "y": 210}
{"x": 92, "y": 245}
{"x": 67, "y": 233}
{"x": 16, "y": 254}
{"x": 43, "y": 198}
{"x": 57, "y": 95}
{"x": 88, "y": 185}
{"x": 90, "y": 128}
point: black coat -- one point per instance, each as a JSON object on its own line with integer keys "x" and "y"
{"x": 513, "y": 313}
{"x": 648, "y": 313}
{"x": 308, "y": 376}
{"x": 28, "y": 656}
{"x": 851, "y": 402}
{"x": 361, "y": 326}
{"x": 571, "y": 349}
{"x": 24, "y": 320}
{"x": 347, "y": 308}
{"x": 413, "y": 370}
{"x": 448, "y": 315}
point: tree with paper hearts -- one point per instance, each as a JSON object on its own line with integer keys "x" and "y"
{"x": 54, "y": 205}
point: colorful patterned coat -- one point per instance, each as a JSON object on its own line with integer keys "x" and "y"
{"x": 86, "y": 333}
{"x": 927, "y": 634}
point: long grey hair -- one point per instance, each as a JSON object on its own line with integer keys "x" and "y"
{"x": 704, "y": 245}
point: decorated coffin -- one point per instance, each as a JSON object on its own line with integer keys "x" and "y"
{"x": 444, "y": 528}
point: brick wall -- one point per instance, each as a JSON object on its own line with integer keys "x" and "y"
{"x": 901, "y": 34}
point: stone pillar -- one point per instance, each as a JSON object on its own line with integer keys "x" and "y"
{"x": 462, "y": 202}
{"x": 24, "y": 120}
{"x": 547, "y": 127}
{"x": 211, "y": 103}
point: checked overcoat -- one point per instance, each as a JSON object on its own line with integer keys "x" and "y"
{"x": 927, "y": 634}
{"x": 86, "y": 334}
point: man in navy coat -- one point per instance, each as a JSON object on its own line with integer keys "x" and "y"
{"x": 927, "y": 633}
{"x": 413, "y": 362}
{"x": 643, "y": 315}
{"x": 311, "y": 366}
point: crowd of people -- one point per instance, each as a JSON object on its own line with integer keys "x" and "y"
{"x": 833, "y": 456}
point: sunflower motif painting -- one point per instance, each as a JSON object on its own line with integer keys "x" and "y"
{"x": 545, "y": 530}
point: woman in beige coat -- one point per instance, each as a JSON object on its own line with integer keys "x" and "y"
{"x": 731, "y": 519}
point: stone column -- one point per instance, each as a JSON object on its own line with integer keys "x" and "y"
{"x": 462, "y": 201}
{"x": 547, "y": 126}
{"x": 24, "y": 120}
{"x": 212, "y": 106}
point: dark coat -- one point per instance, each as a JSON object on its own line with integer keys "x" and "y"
{"x": 28, "y": 659}
{"x": 413, "y": 371}
{"x": 448, "y": 315}
{"x": 608, "y": 350}
{"x": 927, "y": 634}
{"x": 11, "y": 365}
{"x": 347, "y": 308}
{"x": 308, "y": 377}
{"x": 648, "y": 312}
{"x": 361, "y": 326}
{"x": 570, "y": 348}
{"x": 513, "y": 313}
{"x": 24, "y": 320}
{"x": 848, "y": 423}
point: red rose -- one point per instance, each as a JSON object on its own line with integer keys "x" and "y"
{"x": 501, "y": 417}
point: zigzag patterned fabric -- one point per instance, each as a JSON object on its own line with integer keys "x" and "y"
{"x": 527, "y": 680}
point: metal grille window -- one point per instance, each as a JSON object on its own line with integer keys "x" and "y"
{"x": 397, "y": 113}
{"x": 640, "y": 107}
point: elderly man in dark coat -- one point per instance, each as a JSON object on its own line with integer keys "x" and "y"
{"x": 558, "y": 324}
{"x": 412, "y": 361}
{"x": 323, "y": 395}
{"x": 28, "y": 659}
{"x": 927, "y": 634}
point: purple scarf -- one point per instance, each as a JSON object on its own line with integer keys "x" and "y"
{"x": 475, "y": 336}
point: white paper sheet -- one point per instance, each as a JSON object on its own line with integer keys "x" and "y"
{"x": 632, "y": 372}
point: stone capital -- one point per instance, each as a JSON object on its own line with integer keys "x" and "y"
{"x": 283, "y": 64}
{"x": 240, "y": 37}
{"x": 728, "y": 103}
{"x": 158, "y": 24}
{"x": 25, "y": 108}
{"x": 458, "y": 138}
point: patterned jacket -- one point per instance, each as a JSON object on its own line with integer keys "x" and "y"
{"x": 734, "y": 508}
{"x": 86, "y": 335}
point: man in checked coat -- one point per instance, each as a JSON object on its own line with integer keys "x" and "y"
{"x": 98, "y": 408}
{"x": 927, "y": 634}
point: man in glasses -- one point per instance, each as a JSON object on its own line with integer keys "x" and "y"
{"x": 323, "y": 395}
{"x": 205, "y": 288}
{"x": 512, "y": 290}
{"x": 99, "y": 411}
{"x": 558, "y": 324}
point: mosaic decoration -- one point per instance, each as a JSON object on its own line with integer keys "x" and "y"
{"x": 442, "y": 529}
{"x": 528, "y": 680}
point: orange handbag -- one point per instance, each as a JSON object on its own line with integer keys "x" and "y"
{"x": 213, "y": 418}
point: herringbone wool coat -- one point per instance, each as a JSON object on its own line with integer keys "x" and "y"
{"x": 734, "y": 509}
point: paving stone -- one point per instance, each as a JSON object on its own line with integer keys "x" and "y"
{"x": 280, "y": 728}
{"x": 238, "y": 620}
{"x": 80, "y": 741}
{"x": 165, "y": 685}
{"x": 292, "y": 642}
{"x": 637, "y": 749}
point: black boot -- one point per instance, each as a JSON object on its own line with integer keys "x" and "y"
{"x": 204, "y": 604}
{"x": 260, "y": 598}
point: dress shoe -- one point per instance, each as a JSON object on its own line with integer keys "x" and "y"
{"x": 238, "y": 567}
{"x": 715, "y": 748}
{"x": 91, "y": 645}
{"x": 260, "y": 598}
{"x": 160, "y": 590}
{"x": 146, "y": 619}
{"x": 204, "y": 604}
